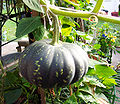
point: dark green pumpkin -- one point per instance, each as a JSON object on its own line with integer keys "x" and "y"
{"x": 47, "y": 65}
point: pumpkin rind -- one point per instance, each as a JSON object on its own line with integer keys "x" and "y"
{"x": 48, "y": 66}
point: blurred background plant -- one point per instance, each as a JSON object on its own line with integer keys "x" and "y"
{"x": 107, "y": 39}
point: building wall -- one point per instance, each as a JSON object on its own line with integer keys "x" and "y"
{"x": 110, "y": 5}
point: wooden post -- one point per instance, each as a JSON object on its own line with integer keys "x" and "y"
{"x": 42, "y": 93}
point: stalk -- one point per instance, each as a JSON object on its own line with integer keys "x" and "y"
{"x": 76, "y": 13}
{"x": 97, "y": 6}
{"x": 55, "y": 38}
{"x": 69, "y": 12}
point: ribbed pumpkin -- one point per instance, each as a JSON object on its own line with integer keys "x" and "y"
{"x": 48, "y": 64}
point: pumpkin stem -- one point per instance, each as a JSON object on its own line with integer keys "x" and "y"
{"x": 55, "y": 38}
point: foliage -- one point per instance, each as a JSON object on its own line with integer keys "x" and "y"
{"x": 76, "y": 4}
{"x": 27, "y": 25}
{"x": 106, "y": 41}
{"x": 95, "y": 86}
{"x": 107, "y": 38}
{"x": 87, "y": 90}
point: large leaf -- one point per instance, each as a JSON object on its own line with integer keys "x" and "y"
{"x": 39, "y": 33}
{"x": 12, "y": 96}
{"x": 104, "y": 71}
{"x": 27, "y": 25}
{"x": 34, "y": 4}
{"x": 10, "y": 79}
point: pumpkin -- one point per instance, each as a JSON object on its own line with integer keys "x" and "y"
{"x": 49, "y": 65}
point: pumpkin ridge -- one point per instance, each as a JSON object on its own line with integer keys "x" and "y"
{"x": 25, "y": 61}
{"x": 79, "y": 68}
{"x": 53, "y": 77}
{"x": 70, "y": 71}
{"x": 33, "y": 53}
{"x": 45, "y": 62}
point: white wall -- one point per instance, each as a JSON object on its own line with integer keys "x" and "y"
{"x": 110, "y": 5}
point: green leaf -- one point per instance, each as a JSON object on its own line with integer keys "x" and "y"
{"x": 26, "y": 83}
{"x": 104, "y": 71}
{"x": 88, "y": 1}
{"x": 66, "y": 31}
{"x": 86, "y": 97}
{"x": 34, "y": 4}
{"x": 91, "y": 71}
{"x": 96, "y": 46}
{"x": 109, "y": 82}
{"x": 27, "y": 25}
{"x": 12, "y": 96}
{"x": 10, "y": 79}
{"x": 39, "y": 33}
{"x": 67, "y": 21}
{"x": 71, "y": 100}
{"x": 118, "y": 51}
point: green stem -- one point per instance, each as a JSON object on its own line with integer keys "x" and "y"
{"x": 97, "y": 6}
{"x": 76, "y": 13}
{"x": 107, "y": 18}
{"x": 69, "y": 12}
{"x": 55, "y": 38}
{"x": 82, "y": 14}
